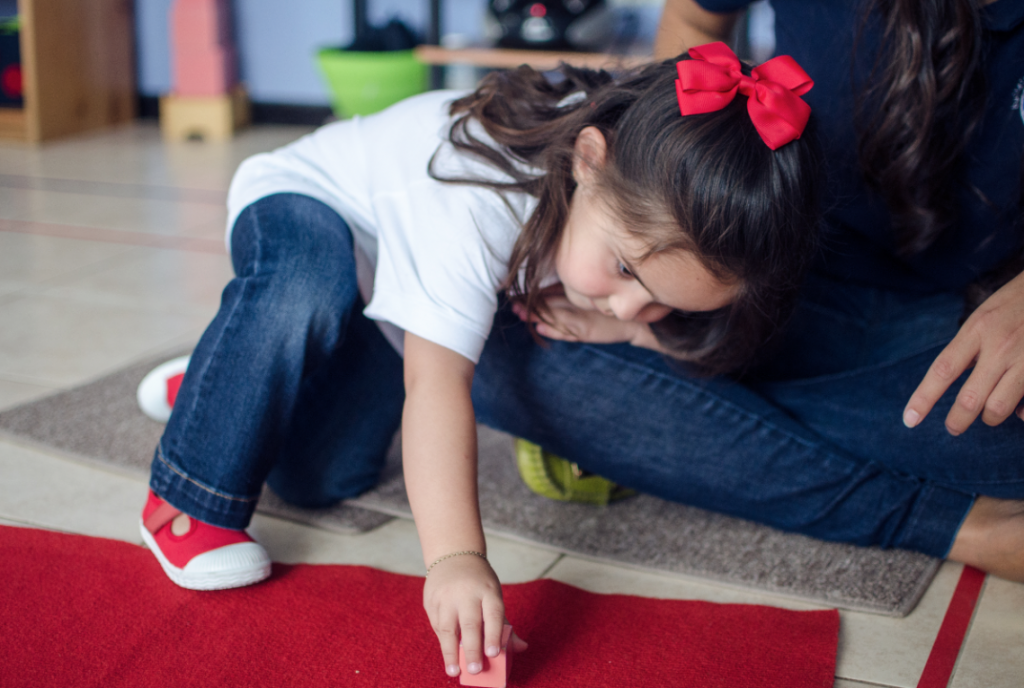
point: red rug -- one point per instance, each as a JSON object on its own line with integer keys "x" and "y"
{"x": 81, "y": 611}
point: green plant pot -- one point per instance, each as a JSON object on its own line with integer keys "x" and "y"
{"x": 365, "y": 82}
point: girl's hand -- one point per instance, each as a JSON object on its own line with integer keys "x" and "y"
{"x": 567, "y": 323}
{"x": 992, "y": 340}
{"x": 462, "y": 597}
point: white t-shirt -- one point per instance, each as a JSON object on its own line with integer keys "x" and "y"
{"x": 436, "y": 252}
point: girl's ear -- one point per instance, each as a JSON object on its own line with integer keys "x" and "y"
{"x": 589, "y": 155}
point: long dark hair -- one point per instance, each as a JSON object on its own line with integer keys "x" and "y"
{"x": 705, "y": 183}
{"x": 918, "y": 110}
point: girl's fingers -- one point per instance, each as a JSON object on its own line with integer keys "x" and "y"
{"x": 521, "y": 313}
{"x": 516, "y": 644}
{"x": 494, "y": 624}
{"x": 545, "y": 330}
{"x": 448, "y": 635}
{"x": 461, "y": 598}
{"x": 472, "y": 633}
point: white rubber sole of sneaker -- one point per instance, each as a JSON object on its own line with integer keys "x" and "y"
{"x": 233, "y": 566}
{"x": 152, "y": 391}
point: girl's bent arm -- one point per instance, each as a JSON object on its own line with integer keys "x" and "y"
{"x": 462, "y": 595}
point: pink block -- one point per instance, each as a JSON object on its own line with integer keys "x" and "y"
{"x": 204, "y": 23}
{"x": 208, "y": 72}
{"x": 496, "y": 669}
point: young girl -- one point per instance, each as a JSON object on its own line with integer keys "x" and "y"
{"x": 672, "y": 208}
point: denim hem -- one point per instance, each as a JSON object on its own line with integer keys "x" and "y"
{"x": 935, "y": 521}
{"x": 200, "y": 501}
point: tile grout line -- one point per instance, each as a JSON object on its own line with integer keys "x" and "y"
{"x": 552, "y": 565}
{"x": 84, "y": 187}
{"x": 40, "y": 287}
{"x": 22, "y": 523}
{"x": 194, "y": 244}
{"x": 86, "y": 270}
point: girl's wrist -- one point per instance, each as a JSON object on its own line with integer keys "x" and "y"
{"x": 452, "y": 555}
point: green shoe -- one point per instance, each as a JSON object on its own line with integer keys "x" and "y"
{"x": 556, "y": 478}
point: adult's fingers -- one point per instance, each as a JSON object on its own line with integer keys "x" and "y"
{"x": 947, "y": 367}
{"x": 972, "y": 398}
{"x": 1005, "y": 398}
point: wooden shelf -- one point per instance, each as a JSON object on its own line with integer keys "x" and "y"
{"x": 500, "y": 58}
{"x": 77, "y": 61}
{"x": 12, "y": 124}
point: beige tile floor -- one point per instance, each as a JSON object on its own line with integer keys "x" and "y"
{"x": 110, "y": 252}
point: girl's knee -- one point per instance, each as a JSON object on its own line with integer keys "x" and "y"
{"x": 298, "y": 253}
{"x": 292, "y": 235}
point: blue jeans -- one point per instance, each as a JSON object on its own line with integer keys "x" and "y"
{"x": 293, "y": 385}
{"x": 289, "y": 384}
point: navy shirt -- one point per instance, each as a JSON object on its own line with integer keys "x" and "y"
{"x": 859, "y": 242}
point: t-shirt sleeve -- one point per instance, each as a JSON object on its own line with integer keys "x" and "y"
{"x": 442, "y": 256}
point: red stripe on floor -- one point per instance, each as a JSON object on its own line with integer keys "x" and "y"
{"x": 939, "y": 668}
{"x": 115, "y": 236}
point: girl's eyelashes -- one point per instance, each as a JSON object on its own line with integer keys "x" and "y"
{"x": 625, "y": 271}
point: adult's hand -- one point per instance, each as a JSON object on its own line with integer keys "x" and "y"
{"x": 992, "y": 340}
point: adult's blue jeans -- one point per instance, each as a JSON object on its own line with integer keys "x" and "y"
{"x": 291, "y": 384}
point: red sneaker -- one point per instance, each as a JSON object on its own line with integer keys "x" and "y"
{"x": 159, "y": 389}
{"x": 206, "y": 557}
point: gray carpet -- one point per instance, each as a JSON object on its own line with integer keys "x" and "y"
{"x": 100, "y": 423}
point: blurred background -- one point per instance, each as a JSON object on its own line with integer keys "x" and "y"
{"x": 277, "y": 50}
{"x": 276, "y": 39}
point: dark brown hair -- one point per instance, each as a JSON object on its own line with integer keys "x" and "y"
{"x": 922, "y": 102}
{"x": 705, "y": 183}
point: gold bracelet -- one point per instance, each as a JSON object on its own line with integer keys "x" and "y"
{"x": 454, "y": 554}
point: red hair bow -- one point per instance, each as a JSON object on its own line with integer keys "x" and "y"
{"x": 710, "y": 81}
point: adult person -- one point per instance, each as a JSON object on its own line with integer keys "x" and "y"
{"x": 887, "y": 412}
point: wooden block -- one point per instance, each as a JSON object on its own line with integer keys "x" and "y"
{"x": 203, "y": 60}
{"x": 206, "y": 118}
{"x": 203, "y": 23}
{"x": 496, "y": 669}
{"x": 199, "y": 71}
{"x": 12, "y": 124}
